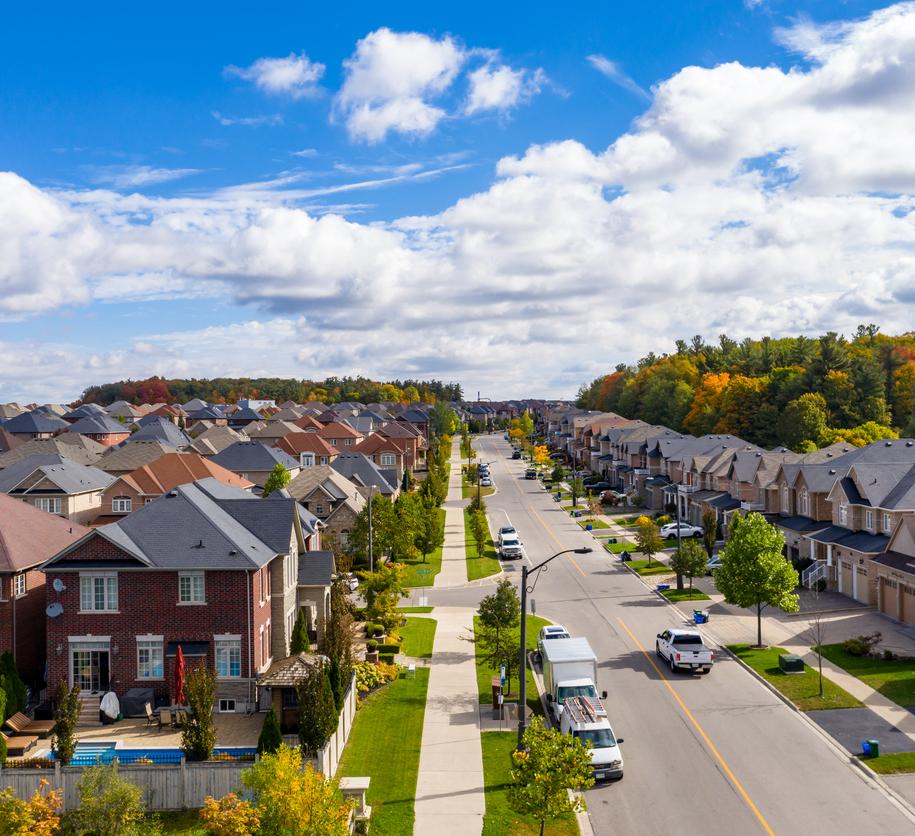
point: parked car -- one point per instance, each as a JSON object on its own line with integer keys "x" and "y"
{"x": 686, "y": 530}
{"x": 552, "y": 631}
{"x": 713, "y": 564}
{"x": 530, "y": 473}
{"x": 507, "y": 529}
{"x": 516, "y": 454}
{"x": 485, "y": 482}
{"x": 594, "y": 487}
{"x": 684, "y": 649}
{"x": 510, "y": 547}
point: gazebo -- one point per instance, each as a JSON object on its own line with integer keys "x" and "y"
{"x": 282, "y": 678}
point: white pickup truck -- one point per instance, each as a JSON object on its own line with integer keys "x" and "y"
{"x": 684, "y": 648}
{"x": 586, "y": 719}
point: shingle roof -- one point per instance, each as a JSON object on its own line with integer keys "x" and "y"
{"x": 98, "y": 425}
{"x": 128, "y": 457}
{"x": 72, "y": 446}
{"x": 28, "y": 537}
{"x": 862, "y": 541}
{"x": 274, "y": 429}
{"x": 161, "y": 429}
{"x": 289, "y": 672}
{"x": 252, "y": 456}
{"x": 36, "y": 421}
{"x": 362, "y": 471}
{"x": 316, "y": 568}
{"x": 306, "y": 442}
{"x": 173, "y": 469}
{"x": 68, "y": 476}
{"x": 899, "y": 562}
{"x": 215, "y": 439}
{"x": 83, "y": 411}
{"x": 797, "y": 523}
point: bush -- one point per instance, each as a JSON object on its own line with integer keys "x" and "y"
{"x": 108, "y": 804}
{"x": 370, "y": 628}
{"x": 271, "y": 737}
{"x": 16, "y": 692}
{"x": 389, "y": 648}
{"x": 38, "y": 816}
{"x": 889, "y": 656}
{"x": 862, "y": 645}
{"x": 66, "y": 716}
{"x": 821, "y": 585}
{"x": 377, "y": 630}
{"x": 198, "y": 735}
{"x": 369, "y": 675}
{"x": 387, "y": 658}
{"x": 371, "y": 645}
{"x": 229, "y": 816}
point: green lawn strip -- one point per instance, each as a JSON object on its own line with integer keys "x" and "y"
{"x": 801, "y": 688}
{"x": 186, "y": 822}
{"x": 414, "y": 575}
{"x": 470, "y": 491}
{"x": 500, "y": 819}
{"x": 896, "y": 763}
{"x": 641, "y": 567}
{"x": 627, "y": 520}
{"x": 685, "y": 594}
{"x": 574, "y": 508}
{"x": 895, "y": 678}
{"x": 593, "y": 523}
{"x": 414, "y": 609}
{"x": 418, "y": 634}
{"x": 384, "y": 745}
{"x": 618, "y": 548}
{"x": 479, "y": 566}
{"x": 485, "y": 674}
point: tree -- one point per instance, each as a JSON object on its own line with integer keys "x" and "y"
{"x": 753, "y": 571}
{"x": 497, "y": 646}
{"x": 690, "y": 560}
{"x": 277, "y": 480}
{"x": 298, "y": 640}
{"x": 577, "y": 487}
{"x": 709, "y": 531}
{"x": 229, "y": 816}
{"x": 317, "y": 711}
{"x": 109, "y": 805}
{"x": 406, "y": 520}
{"x": 430, "y": 532}
{"x": 271, "y": 737}
{"x": 335, "y": 678}
{"x": 338, "y": 631}
{"x": 648, "y": 539}
{"x": 558, "y": 473}
{"x": 16, "y": 692}
{"x": 443, "y": 419}
{"x": 295, "y": 801}
{"x": 37, "y": 816}
{"x": 549, "y": 765}
{"x": 502, "y": 609}
{"x": 382, "y": 590}
{"x": 66, "y": 716}
{"x": 541, "y": 454}
{"x": 198, "y": 734}
{"x": 479, "y": 530}
{"x": 803, "y": 419}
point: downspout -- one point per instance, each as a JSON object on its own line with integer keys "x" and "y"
{"x": 250, "y": 576}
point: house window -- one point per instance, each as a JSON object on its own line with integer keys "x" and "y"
{"x": 388, "y": 460}
{"x": 805, "y": 504}
{"x": 226, "y": 706}
{"x": 319, "y": 509}
{"x": 263, "y": 651}
{"x": 306, "y": 459}
{"x": 121, "y": 505}
{"x": 843, "y": 514}
{"x": 228, "y": 657}
{"x": 260, "y": 577}
{"x": 347, "y": 441}
{"x": 190, "y": 588}
{"x": 887, "y": 523}
{"x": 19, "y": 585}
{"x": 51, "y": 504}
{"x": 150, "y": 662}
{"x": 333, "y": 442}
{"x": 98, "y": 593}
{"x": 147, "y": 500}
{"x": 868, "y": 519}
{"x": 785, "y": 499}
{"x": 323, "y": 459}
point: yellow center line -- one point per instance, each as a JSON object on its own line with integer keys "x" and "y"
{"x": 556, "y": 541}
{"x": 702, "y": 733}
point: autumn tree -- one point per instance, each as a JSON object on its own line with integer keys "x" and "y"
{"x": 704, "y": 411}
{"x": 35, "y": 816}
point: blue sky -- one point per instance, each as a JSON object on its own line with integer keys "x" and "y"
{"x": 481, "y": 188}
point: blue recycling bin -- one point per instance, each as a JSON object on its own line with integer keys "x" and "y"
{"x": 661, "y": 587}
{"x": 700, "y": 617}
{"x": 588, "y": 527}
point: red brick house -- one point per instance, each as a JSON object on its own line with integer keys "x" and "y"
{"x": 28, "y": 537}
{"x": 206, "y": 566}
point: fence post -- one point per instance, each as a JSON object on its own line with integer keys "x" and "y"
{"x": 183, "y": 784}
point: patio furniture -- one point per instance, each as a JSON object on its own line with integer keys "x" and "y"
{"x": 165, "y": 717}
{"x": 180, "y": 717}
{"x": 18, "y": 745}
{"x": 152, "y": 719}
{"x": 133, "y": 703}
{"x": 21, "y": 724}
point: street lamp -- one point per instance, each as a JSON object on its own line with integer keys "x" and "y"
{"x": 522, "y": 674}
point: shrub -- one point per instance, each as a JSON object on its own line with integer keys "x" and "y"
{"x": 387, "y": 658}
{"x": 370, "y": 628}
{"x": 389, "y": 648}
{"x": 66, "y": 716}
{"x": 889, "y": 656}
{"x": 821, "y": 585}
{"x": 317, "y": 710}
{"x": 38, "y": 816}
{"x": 662, "y": 519}
{"x": 271, "y": 737}
{"x": 298, "y": 641}
{"x": 377, "y": 630}
{"x": 108, "y": 804}
{"x": 369, "y": 675}
{"x": 198, "y": 735}
{"x": 16, "y": 692}
{"x": 862, "y": 645}
{"x": 229, "y": 816}
{"x": 371, "y": 645}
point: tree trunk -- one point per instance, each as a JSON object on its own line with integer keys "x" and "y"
{"x": 542, "y": 825}
{"x": 759, "y": 623}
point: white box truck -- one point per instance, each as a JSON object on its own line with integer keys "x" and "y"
{"x": 569, "y": 670}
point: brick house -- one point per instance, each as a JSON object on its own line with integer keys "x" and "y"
{"x": 309, "y": 448}
{"x": 101, "y": 428}
{"x": 340, "y": 435}
{"x": 208, "y": 567}
{"x": 332, "y": 498}
{"x": 28, "y": 537}
{"x": 386, "y": 453}
{"x": 38, "y": 423}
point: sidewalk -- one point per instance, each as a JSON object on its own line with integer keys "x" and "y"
{"x": 454, "y": 557}
{"x": 449, "y": 791}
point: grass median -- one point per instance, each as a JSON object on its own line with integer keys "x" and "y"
{"x": 418, "y": 636}
{"x": 384, "y": 745}
{"x": 894, "y": 764}
{"x": 479, "y": 565}
{"x": 685, "y": 594}
{"x": 894, "y": 678}
{"x": 803, "y": 689}
{"x": 422, "y": 573}
{"x": 641, "y": 567}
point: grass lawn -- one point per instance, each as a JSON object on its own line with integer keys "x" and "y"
{"x": 685, "y": 594}
{"x": 628, "y": 520}
{"x": 500, "y": 819}
{"x": 384, "y": 744}
{"x": 414, "y": 609}
{"x": 418, "y": 635}
{"x": 885, "y": 764}
{"x": 894, "y": 679}
{"x": 479, "y": 566}
{"x": 184, "y": 821}
{"x": 415, "y": 574}
{"x": 593, "y": 523}
{"x": 574, "y": 508}
{"x": 619, "y": 548}
{"x": 642, "y": 568}
{"x": 485, "y": 673}
{"x": 801, "y": 688}
{"x": 470, "y": 491}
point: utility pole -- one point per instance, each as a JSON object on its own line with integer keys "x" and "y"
{"x": 679, "y": 541}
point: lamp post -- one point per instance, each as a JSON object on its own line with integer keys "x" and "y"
{"x": 522, "y": 671}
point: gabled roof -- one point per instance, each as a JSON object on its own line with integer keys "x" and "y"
{"x": 337, "y": 486}
{"x": 84, "y": 411}
{"x": 252, "y": 456}
{"x": 205, "y": 413}
{"x": 890, "y": 486}
{"x": 69, "y": 477}
{"x": 337, "y": 429}
{"x": 127, "y": 457}
{"x": 396, "y": 429}
{"x": 316, "y": 568}
{"x": 99, "y": 425}
{"x": 10, "y": 410}
{"x": 289, "y": 672}
{"x": 173, "y": 469}
{"x": 308, "y": 422}
{"x": 246, "y": 414}
{"x": 72, "y": 446}
{"x": 274, "y": 429}
{"x": 36, "y": 421}
{"x": 124, "y": 409}
{"x": 899, "y": 562}
{"x": 305, "y": 442}
{"x": 28, "y": 536}
{"x": 362, "y": 471}
{"x": 215, "y": 439}
{"x": 8, "y": 441}
{"x": 377, "y": 444}
{"x": 161, "y": 429}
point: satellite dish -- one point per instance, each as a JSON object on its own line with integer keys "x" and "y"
{"x": 54, "y": 610}
{"x": 59, "y": 585}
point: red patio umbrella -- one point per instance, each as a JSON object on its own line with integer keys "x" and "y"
{"x": 179, "y": 677}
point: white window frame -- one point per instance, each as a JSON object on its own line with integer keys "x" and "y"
{"x": 307, "y": 459}
{"x": 109, "y": 592}
{"x": 224, "y": 649}
{"x": 388, "y": 460}
{"x": 19, "y": 585}
{"x": 843, "y": 514}
{"x": 51, "y": 504}
{"x": 121, "y": 505}
{"x": 805, "y": 503}
{"x": 887, "y": 522}
{"x": 786, "y": 498}
{"x": 196, "y": 596}
{"x": 868, "y": 519}
{"x": 153, "y": 646}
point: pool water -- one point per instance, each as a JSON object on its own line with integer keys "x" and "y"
{"x": 101, "y": 751}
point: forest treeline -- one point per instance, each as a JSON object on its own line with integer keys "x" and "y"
{"x": 231, "y": 389}
{"x": 800, "y": 392}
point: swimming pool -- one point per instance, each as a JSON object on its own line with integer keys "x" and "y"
{"x": 106, "y": 751}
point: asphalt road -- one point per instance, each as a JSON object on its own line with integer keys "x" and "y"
{"x": 716, "y": 754}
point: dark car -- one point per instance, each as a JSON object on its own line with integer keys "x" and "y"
{"x": 516, "y": 454}
{"x": 596, "y": 487}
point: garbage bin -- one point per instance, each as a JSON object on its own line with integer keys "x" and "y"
{"x": 661, "y": 587}
{"x": 588, "y": 527}
{"x": 790, "y": 663}
{"x": 871, "y": 748}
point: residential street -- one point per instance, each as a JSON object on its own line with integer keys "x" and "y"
{"x": 718, "y": 754}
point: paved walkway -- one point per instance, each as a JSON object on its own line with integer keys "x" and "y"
{"x": 449, "y": 791}
{"x": 454, "y": 557}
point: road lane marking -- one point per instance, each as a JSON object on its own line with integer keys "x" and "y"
{"x": 556, "y": 541}
{"x": 702, "y": 734}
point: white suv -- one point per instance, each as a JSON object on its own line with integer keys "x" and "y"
{"x": 686, "y": 530}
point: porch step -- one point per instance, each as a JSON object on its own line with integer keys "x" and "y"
{"x": 88, "y": 714}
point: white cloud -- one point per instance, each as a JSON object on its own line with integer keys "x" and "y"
{"x": 748, "y": 200}
{"x": 389, "y": 79}
{"x": 137, "y": 176}
{"x": 612, "y": 70}
{"x": 305, "y": 152}
{"x": 295, "y": 75}
{"x": 248, "y": 121}
{"x": 499, "y": 87}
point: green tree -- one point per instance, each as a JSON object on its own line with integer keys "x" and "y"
{"x": 317, "y": 711}
{"x": 198, "y": 734}
{"x": 16, "y": 692}
{"x": 277, "y": 480}
{"x": 2, "y": 709}
{"x": 648, "y": 539}
{"x": 577, "y": 487}
{"x": 689, "y": 560}
{"x": 338, "y": 631}
{"x": 430, "y": 532}
{"x": 526, "y": 423}
{"x": 558, "y": 473}
{"x": 271, "y": 737}
{"x": 549, "y": 765}
{"x": 803, "y": 419}
{"x": 753, "y": 571}
{"x": 298, "y": 641}
{"x": 382, "y": 590}
{"x": 406, "y": 520}
{"x": 709, "y": 531}
{"x": 498, "y": 646}
{"x": 335, "y": 678}
{"x": 443, "y": 419}
{"x": 502, "y": 609}
{"x": 109, "y": 805}
{"x": 479, "y": 529}
{"x": 66, "y": 716}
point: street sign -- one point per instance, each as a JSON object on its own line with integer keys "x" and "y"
{"x": 502, "y": 674}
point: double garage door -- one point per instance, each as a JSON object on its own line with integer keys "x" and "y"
{"x": 897, "y": 600}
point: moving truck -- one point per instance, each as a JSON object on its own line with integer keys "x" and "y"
{"x": 569, "y": 670}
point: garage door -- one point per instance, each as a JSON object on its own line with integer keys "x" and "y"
{"x": 888, "y": 603}
{"x": 908, "y": 605}
{"x": 846, "y": 579}
{"x": 864, "y": 586}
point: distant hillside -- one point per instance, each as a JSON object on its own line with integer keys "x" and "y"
{"x": 229, "y": 390}
{"x": 796, "y": 391}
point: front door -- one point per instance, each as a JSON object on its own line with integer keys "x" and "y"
{"x": 91, "y": 670}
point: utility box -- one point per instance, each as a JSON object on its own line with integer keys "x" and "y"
{"x": 497, "y": 698}
{"x": 790, "y": 663}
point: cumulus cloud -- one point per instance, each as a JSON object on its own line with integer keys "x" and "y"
{"x": 500, "y": 87}
{"x": 748, "y": 200}
{"x": 295, "y": 75}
